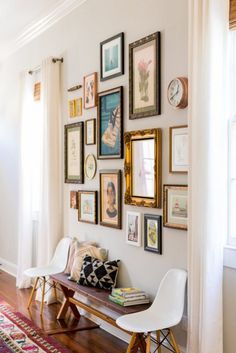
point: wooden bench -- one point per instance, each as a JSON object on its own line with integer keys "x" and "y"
{"x": 95, "y": 296}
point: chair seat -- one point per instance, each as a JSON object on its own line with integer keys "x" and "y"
{"x": 144, "y": 321}
{"x": 43, "y": 271}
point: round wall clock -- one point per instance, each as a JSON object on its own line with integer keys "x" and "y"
{"x": 90, "y": 166}
{"x": 177, "y": 92}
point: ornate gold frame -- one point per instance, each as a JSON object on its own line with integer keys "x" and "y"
{"x": 142, "y": 135}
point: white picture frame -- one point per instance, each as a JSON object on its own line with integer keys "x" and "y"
{"x": 133, "y": 228}
{"x": 178, "y": 159}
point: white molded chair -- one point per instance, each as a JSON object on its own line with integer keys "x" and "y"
{"x": 57, "y": 265}
{"x": 165, "y": 312}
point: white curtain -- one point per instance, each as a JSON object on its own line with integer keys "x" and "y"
{"x": 208, "y": 114}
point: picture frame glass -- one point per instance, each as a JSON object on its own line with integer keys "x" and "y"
{"x": 90, "y": 132}
{"x": 143, "y": 162}
{"x": 74, "y": 152}
{"x": 110, "y": 124}
{"x": 179, "y": 149}
{"x": 112, "y": 57}
{"x": 133, "y": 228}
{"x": 90, "y": 90}
{"x": 87, "y": 207}
{"x": 152, "y": 233}
{"x": 90, "y": 166}
{"x": 109, "y": 199}
{"x": 177, "y": 206}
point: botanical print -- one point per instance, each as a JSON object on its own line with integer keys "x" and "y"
{"x": 73, "y": 200}
{"x": 90, "y": 90}
{"x": 90, "y": 166}
{"x": 109, "y": 195}
{"x": 144, "y": 73}
{"x": 87, "y": 207}
{"x": 152, "y": 233}
{"x": 110, "y": 122}
{"x": 132, "y": 227}
{"x": 73, "y": 148}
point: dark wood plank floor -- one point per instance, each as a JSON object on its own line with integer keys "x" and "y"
{"x": 89, "y": 341}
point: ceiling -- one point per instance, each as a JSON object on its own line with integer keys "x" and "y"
{"x": 20, "y": 20}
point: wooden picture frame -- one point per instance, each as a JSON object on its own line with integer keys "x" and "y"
{"x": 175, "y": 206}
{"x": 133, "y": 228}
{"x": 178, "y": 149}
{"x": 145, "y": 77}
{"x": 143, "y": 161}
{"x": 112, "y": 57}
{"x": 90, "y": 90}
{"x": 153, "y": 233}
{"x": 74, "y": 153}
{"x": 74, "y": 200}
{"x": 90, "y": 132}
{"x": 110, "y": 198}
{"x": 87, "y": 210}
{"x": 110, "y": 124}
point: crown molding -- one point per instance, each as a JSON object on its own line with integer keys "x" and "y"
{"x": 42, "y": 24}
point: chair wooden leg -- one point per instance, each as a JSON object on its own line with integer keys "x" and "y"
{"x": 173, "y": 341}
{"x": 132, "y": 342}
{"x": 148, "y": 343}
{"x": 158, "y": 335}
{"x": 55, "y": 289}
{"x": 32, "y": 292}
{"x": 43, "y": 293}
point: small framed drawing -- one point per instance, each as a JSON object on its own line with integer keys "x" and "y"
{"x": 74, "y": 200}
{"x": 133, "y": 228}
{"x": 110, "y": 198}
{"x": 90, "y": 166}
{"x": 90, "y": 90}
{"x": 175, "y": 206}
{"x": 112, "y": 57}
{"x": 152, "y": 233}
{"x": 144, "y": 77}
{"x": 79, "y": 107}
{"x": 90, "y": 132}
{"x": 74, "y": 153}
{"x": 87, "y": 206}
{"x": 110, "y": 124}
{"x": 178, "y": 149}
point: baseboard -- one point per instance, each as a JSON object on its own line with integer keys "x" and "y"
{"x": 8, "y": 267}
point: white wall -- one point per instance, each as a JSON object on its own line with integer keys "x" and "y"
{"x": 77, "y": 38}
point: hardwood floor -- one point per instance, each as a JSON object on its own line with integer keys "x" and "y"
{"x": 89, "y": 341}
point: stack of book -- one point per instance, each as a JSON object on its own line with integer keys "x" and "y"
{"x": 128, "y": 296}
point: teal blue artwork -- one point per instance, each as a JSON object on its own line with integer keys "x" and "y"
{"x": 111, "y": 58}
{"x": 110, "y": 124}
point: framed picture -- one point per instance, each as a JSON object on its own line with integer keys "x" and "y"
{"x": 110, "y": 124}
{"x": 90, "y": 166}
{"x": 87, "y": 206}
{"x": 90, "y": 90}
{"x": 152, "y": 233}
{"x": 133, "y": 228}
{"x": 143, "y": 168}
{"x": 90, "y": 132}
{"x": 144, "y": 77}
{"x": 176, "y": 206}
{"x": 75, "y": 107}
{"x": 178, "y": 149}
{"x": 74, "y": 200}
{"x": 110, "y": 198}
{"x": 112, "y": 57}
{"x": 74, "y": 153}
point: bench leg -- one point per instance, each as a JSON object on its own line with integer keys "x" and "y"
{"x": 68, "y": 293}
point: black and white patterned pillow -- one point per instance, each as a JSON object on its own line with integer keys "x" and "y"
{"x": 99, "y": 274}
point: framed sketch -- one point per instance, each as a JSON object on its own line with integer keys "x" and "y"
{"x": 152, "y": 233}
{"x": 90, "y": 166}
{"x": 112, "y": 57}
{"x": 87, "y": 206}
{"x": 74, "y": 153}
{"x": 178, "y": 149}
{"x": 175, "y": 206}
{"x": 133, "y": 228}
{"x": 144, "y": 77}
{"x": 110, "y": 198}
{"x": 90, "y": 132}
{"x": 90, "y": 90}
{"x": 110, "y": 124}
{"x": 74, "y": 200}
{"x": 143, "y": 168}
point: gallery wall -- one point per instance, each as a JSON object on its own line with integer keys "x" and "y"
{"x": 76, "y": 37}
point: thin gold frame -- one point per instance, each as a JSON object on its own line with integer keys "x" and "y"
{"x": 130, "y": 199}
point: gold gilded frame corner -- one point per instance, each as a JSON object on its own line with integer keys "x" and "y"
{"x": 130, "y": 199}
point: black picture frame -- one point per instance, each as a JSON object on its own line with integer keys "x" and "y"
{"x": 121, "y": 72}
{"x": 154, "y": 109}
{"x": 74, "y": 179}
{"x": 158, "y": 219}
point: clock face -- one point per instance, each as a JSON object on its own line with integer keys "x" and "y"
{"x": 175, "y": 92}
